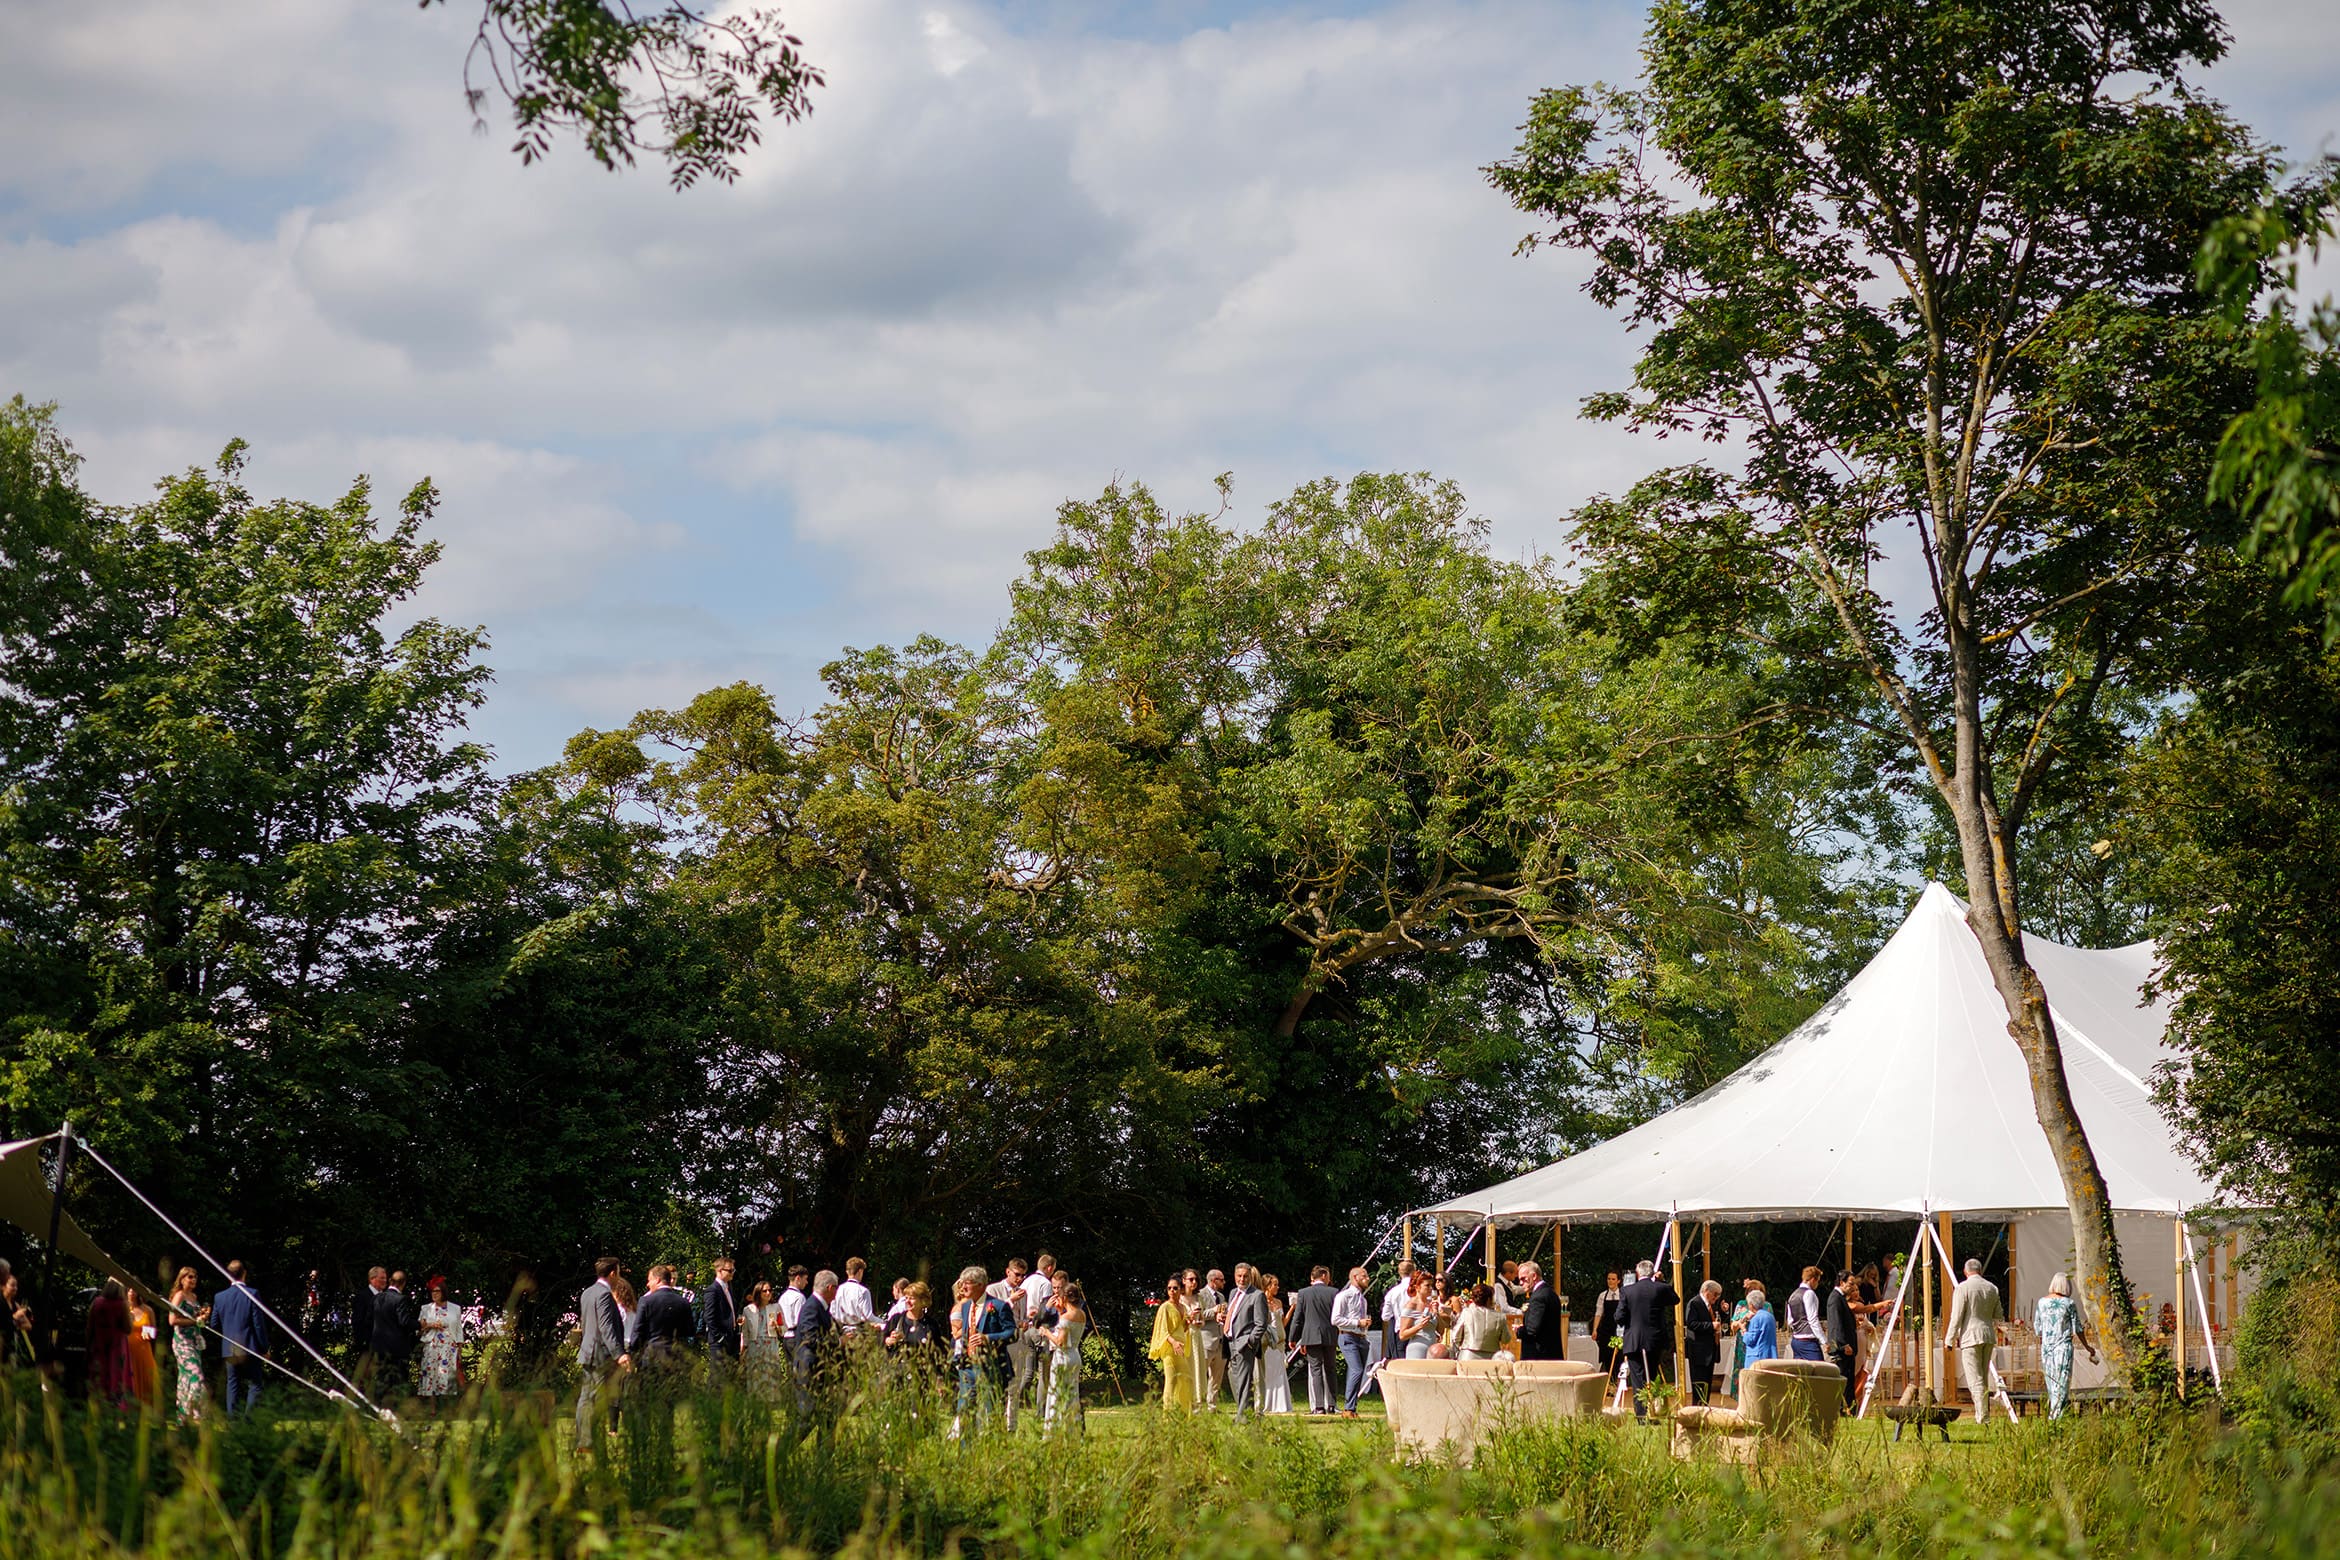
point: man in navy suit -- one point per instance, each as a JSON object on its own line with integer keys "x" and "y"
{"x": 244, "y": 1338}
{"x": 816, "y": 1338}
{"x": 720, "y": 1323}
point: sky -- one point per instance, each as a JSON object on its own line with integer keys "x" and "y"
{"x": 1020, "y": 250}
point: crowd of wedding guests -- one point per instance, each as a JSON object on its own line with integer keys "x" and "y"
{"x": 1010, "y": 1347}
{"x": 1013, "y": 1346}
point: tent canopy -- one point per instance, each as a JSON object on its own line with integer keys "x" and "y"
{"x": 1904, "y": 1093}
{"x": 25, "y": 1203}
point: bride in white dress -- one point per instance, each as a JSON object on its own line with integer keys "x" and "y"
{"x": 1276, "y": 1394}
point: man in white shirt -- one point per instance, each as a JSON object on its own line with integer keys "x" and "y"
{"x": 792, "y": 1304}
{"x": 854, "y": 1311}
{"x": 1353, "y": 1321}
{"x": 1039, "y": 1295}
{"x": 1009, "y": 1291}
{"x": 1385, "y": 1341}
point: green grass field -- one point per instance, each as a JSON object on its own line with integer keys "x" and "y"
{"x": 705, "y": 1476}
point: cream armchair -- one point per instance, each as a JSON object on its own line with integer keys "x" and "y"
{"x": 1434, "y": 1404}
{"x": 1777, "y": 1398}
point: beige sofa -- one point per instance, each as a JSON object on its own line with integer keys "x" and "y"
{"x": 1778, "y": 1399}
{"x": 1437, "y": 1404}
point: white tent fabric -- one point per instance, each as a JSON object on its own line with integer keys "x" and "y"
{"x": 1904, "y": 1093}
{"x": 25, "y": 1203}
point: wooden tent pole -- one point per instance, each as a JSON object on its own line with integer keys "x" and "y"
{"x": 1407, "y": 1253}
{"x": 1949, "y": 1368}
{"x": 2177, "y": 1235}
{"x": 2233, "y": 1256}
{"x": 1559, "y": 1290}
{"x": 1491, "y": 1268}
{"x": 2014, "y": 1307}
{"x": 1848, "y": 1227}
{"x": 1681, "y": 1337}
{"x": 1438, "y": 1223}
{"x": 1933, "y": 1364}
{"x": 1705, "y": 1252}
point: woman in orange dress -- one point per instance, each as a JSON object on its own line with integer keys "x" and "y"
{"x": 144, "y": 1378}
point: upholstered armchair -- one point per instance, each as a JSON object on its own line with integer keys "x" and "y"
{"x": 1777, "y": 1399}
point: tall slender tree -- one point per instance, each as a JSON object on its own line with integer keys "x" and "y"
{"x": 1928, "y": 271}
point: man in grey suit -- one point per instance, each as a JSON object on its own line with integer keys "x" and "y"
{"x": 1312, "y": 1332}
{"x": 601, "y": 1350}
{"x": 1973, "y": 1329}
{"x": 1247, "y": 1325}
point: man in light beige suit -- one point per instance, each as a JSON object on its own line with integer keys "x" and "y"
{"x": 1975, "y": 1314}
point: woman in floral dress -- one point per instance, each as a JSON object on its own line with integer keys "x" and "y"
{"x": 187, "y": 1316}
{"x": 441, "y": 1326}
{"x": 2057, "y": 1322}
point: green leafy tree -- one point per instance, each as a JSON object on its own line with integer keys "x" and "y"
{"x": 2234, "y": 818}
{"x": 228, "y": 788}
{"x": 2279, "y": 460}
{"x": 1930, "y": 272}
{"x": 690, "y": 86}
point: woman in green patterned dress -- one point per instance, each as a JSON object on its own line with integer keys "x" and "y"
{"x": 2057, "y": 1322}
{"x": 187, "y": 1316}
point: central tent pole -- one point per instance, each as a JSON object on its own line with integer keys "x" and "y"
{"x": 1407, "y": 1255}
{"x": 1933, "y": 1364}
{"x": 1848, "y": 1261}
{"x": 1681, "y": 1345}
{"x": 1706, "y": 1251}
{"x": 1491, "y": 1269}
{"x": 1438, "y": 1222}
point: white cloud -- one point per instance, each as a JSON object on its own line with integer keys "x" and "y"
{"x": 838, "y": 400}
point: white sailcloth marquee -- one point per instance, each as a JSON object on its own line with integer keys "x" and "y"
{"x": 1905, "y": 1093}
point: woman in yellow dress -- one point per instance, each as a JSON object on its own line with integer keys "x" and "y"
{"x": 1169, "y": 1345}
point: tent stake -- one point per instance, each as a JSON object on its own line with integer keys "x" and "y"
{"x": 49, "y": 1307}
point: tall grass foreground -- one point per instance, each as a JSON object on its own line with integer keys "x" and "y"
{"x": 706, "y": 1474}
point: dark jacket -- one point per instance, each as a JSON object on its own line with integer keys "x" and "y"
{"x": 816, "y": 1331}
{"x": 1312, "y": 1323}
{"x": 1701, "y": 1339}
{"x": 720, "y": 1323}
{"x": 1540, "y": 1337}
{"x": 1649, "y": 1315}
{"x": 394, "y": 1332}
{"x": 663, "y": 1323}
{"x": 1843, "y": 1327}
{"x": 235, "y": 1315}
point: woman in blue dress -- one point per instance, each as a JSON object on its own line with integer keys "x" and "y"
{"x": 1761, "y": 1339}
{"x": 2057, "y": 1322}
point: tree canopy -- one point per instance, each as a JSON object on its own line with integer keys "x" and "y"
{"x": 1930, "y": 276}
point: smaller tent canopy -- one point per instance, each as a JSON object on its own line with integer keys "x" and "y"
{"x": 25, "y": 1201}
{"x": 1904, "y": 1093}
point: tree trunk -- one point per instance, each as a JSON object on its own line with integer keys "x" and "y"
{"x": 1992, "y": 914}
